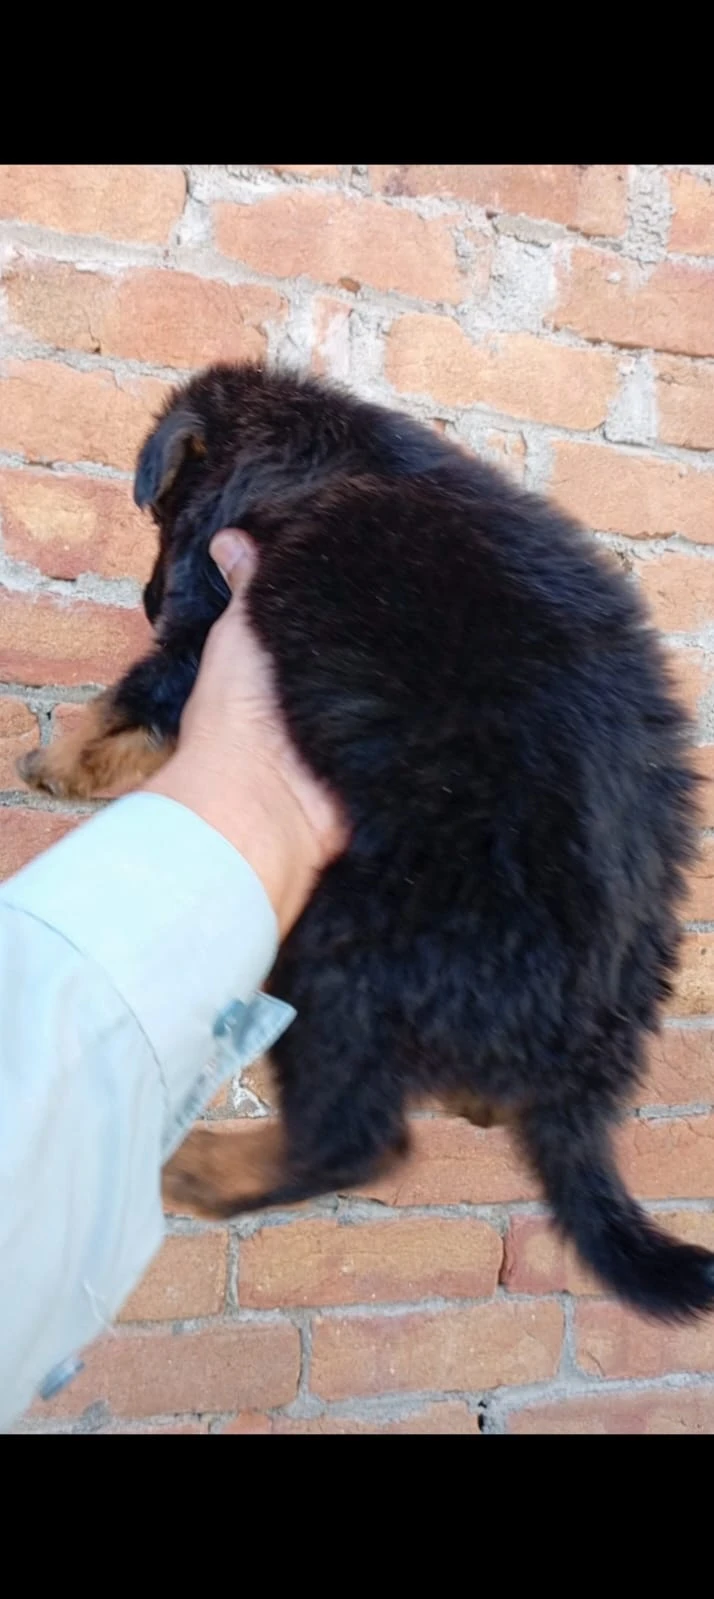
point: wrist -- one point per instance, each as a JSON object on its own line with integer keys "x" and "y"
{"x": 257, "y": 813}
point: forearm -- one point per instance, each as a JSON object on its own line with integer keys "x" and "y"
{"x": 120, "y": 950}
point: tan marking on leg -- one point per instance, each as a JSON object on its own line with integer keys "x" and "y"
{"x": 94, "y": 759}
{"x": 218, "y": 1169}
{"x": 475, "y": 1109}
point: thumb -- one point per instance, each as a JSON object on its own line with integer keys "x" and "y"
{"x": 235, "y": 556}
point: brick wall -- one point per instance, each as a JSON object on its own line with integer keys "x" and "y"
{"x": 561, "y": 320}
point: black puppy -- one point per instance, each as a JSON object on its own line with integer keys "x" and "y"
{"x": 480, "y": 686}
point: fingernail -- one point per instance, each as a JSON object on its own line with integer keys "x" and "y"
{"x": 229, "y": 550}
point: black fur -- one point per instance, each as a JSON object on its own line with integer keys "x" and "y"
{"x": 480, "y": 685}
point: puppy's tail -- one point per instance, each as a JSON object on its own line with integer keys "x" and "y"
{"x": 619, "y": 1242}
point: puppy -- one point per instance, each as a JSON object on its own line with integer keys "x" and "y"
{"x": 481, "y": 687}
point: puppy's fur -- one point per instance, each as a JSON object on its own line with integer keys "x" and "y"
{"x": 480, "y": 686}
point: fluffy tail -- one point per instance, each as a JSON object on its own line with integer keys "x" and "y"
{"x": 613, "y": 1235}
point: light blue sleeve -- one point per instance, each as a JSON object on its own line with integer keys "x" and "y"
{"x": 130, "y": 958}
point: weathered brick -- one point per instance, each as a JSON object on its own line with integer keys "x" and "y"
{"x": 484, "y": 1347}
{"x": 699, "y": 904}
{"x": 607, "y": 297}
{"x": 680, "y": 590}
{"x": 122, "y": 202}
{"x": 47, "y": 639}
{"x": 704, "y": 763}
{"x": 244, "y": 1367}
{"x": 330, "y": 337}
{"x": 259, "y": 1079}
{"x": 516, "y": 373}
{"x": 180, "y": 1427}
{"x": 663, "y": 1158}
{"x": 681, "y": 1062}
{"x": 694, "y": 988}
{"x": 538, "y": 1262}
{"x": 19, "y": 732}
{"x": 507, "y": 450}
{"x": 612, "y": 491}
{"x": 329, "y": 1263}
{"x": 24, "y": 832}
{"x": 69, "y": 524}
{"x": 49, "y": 412}
{"x": 685, "y": 403}
{"x": 665, "y": 1410}
{"x": 326, "y": 237}
{"x": 453, "y": 1418}
{"x": 453, "y": 1163}
{"x": 169, "y": 318}
{"x": 692, "y": 227}
{"x": 307, "y": 171}
{"x": 187, "y": 1278}
{"x": 614, "y": 1342}
{"x": 691, "y": 673}
{"x": 592, "y": 199}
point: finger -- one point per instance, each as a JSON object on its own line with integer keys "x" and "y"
{"x": 235, "y": 556}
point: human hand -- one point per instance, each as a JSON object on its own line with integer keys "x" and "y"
{"x": 235, "y": 764}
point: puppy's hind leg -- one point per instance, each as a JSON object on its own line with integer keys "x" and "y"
{"x": 341, "y": 1090}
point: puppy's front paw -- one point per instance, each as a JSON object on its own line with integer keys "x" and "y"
{"x": 95, "y": 761}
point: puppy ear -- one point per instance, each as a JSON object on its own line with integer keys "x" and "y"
{"x": 163, "y": 456}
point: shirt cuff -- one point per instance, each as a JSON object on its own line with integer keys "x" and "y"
{"x": 181, "y": 925}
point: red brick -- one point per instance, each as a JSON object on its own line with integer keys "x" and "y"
{"x": 665, "y": 1410}
{"x": 73, "y": 524}
{"x": 516, "y": 373}
{"x": 681, "y": 1061}
{"x": 329, "y": 1263}
{"x": 606, "y": 297}
{"x": 122, "y": 202}
{"x": 685, "y": 403}
{"x": 592, "y": 199}
{"x": 47, "y": 639}
{"x": 301, "y": 232}
{"x": 330, "y": 337}
{"x": 187, "y": 1278}
{"x": 24, "y": 832}
{"x": 692, "y": 227}
{"x": 453, "y": 1163}
{"x": 614, "y": 492}
{"x": 170, "y": 318}
{"x": 454, "y": 1418}
{"x": 19, "y": 732}
{"x": 614, "y": 1342}
{"x": 538, "y": 1262}
{"x": 680, "y": 590}
{"x": 244, "y": 1367}
{"x": 49, "y": 412}
{"x": 484, "y": 1347}
{"x": 699, "y": 904}
{"x": 704, "y": 763}
{"x": 668, "y": 1158}
{"x": 694, "y": 989}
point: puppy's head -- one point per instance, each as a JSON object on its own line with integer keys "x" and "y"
{"x": 226, "y": 447}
